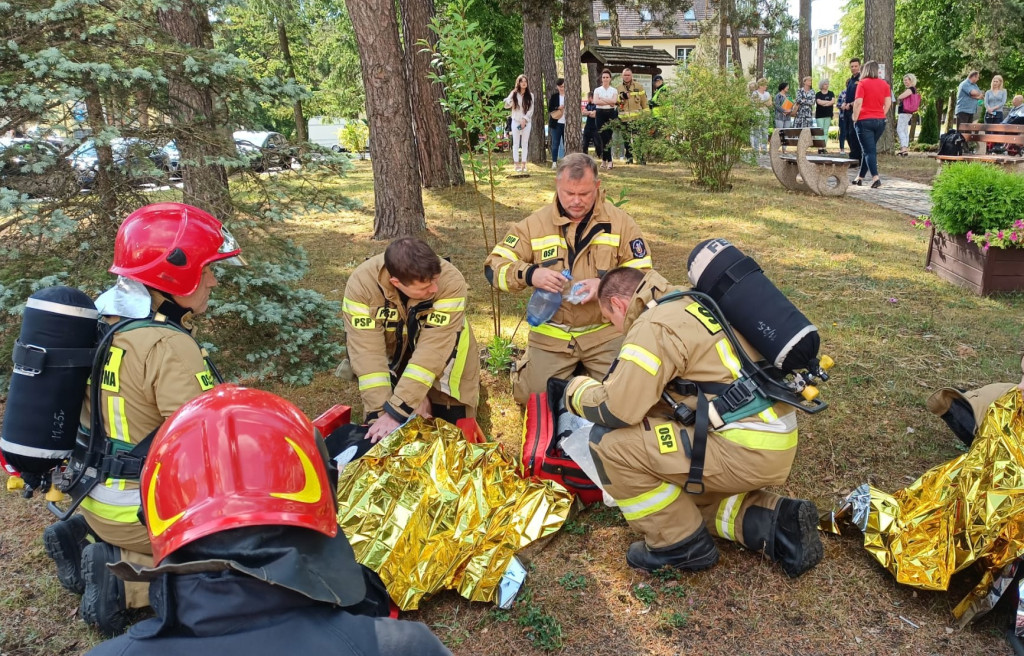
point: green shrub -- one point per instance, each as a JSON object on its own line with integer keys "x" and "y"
{"x": 976, "y": 197}
{"x": 928, "y": 133}
{"x": 354, "y": 137}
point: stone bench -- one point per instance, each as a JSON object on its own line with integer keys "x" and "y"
{"x": 824, "y": 175}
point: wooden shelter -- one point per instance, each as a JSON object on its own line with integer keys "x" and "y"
{"x": 642, "y": 61}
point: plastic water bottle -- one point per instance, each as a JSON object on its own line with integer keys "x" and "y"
{"x": 576, "y": 293}
{"x": 543, "y": 304}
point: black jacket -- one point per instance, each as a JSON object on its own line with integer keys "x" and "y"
{"x": 230, "y": 614}
{"x": 552, "y": 106}
{"x": 851, "y": 93}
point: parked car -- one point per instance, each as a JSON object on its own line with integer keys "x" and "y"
{"x": 134, "y": 157}
{"x": 34, "y": 167}
{"x": 264, "y": 150}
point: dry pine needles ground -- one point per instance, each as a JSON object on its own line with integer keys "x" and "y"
{"x": 895, "y": 331}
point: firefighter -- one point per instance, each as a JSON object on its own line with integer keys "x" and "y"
{"x": 163, "y": 255}
{"x": 632, "y": 105}
{"x": 582, "y": 232}
{"x": 240, "y": 508}
{"x": 647, "y": 459}
{"x": 409, "y": 342}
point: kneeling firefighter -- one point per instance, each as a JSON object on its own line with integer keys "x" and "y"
{"x": 148, "y": 364}
{"x": 689, "y": 430}
{"x": 249, "y": 560}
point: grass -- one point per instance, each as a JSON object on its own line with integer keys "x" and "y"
{"x": 842, "y": 262}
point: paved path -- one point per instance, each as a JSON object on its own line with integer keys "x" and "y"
{"x": 896, "y": 194}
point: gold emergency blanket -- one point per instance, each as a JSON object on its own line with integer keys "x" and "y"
{"x": 427, "y": 510}
{"x": 968, "y": 510}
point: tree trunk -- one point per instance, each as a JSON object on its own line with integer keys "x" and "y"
{"x": 613, "y": 23}
{"x": 879, "y": 24}
{"x": 734, "y": 32}
{"x": 804, "y": 53}
{"x": 950, "y": 111}
{"x": 535, "y": 77}
{"x": 571, "y": 66}
{"x": 760, "y": 57}
{"x": 590, "y": 41}
{"x": 439, "y": 162}
{"x": 723, "y": 34}
{"x": 396, "y": 184}
{"x": 301, "y": 134}
{"x": 103, "y": 185}
{"x": 547, "y": 55}
{"x": 913, "y": 126}
{"x": 192, "y": 107}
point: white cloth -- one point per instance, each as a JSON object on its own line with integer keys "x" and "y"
{"x": 520, "y": 136}
{"x": 128, "y": 299}
{"x": 517, "y": 109}
{"x": 611, "y": 94}
{"x": 561, "y": 103}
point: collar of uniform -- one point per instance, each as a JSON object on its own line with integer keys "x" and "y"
{"x": 391, "y": 292}
{"x": 596, "y": 212}
{"x": 165, "y": 305}
{"x": 651, "y": 288}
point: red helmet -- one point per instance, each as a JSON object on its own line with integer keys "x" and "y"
{"x": 166, "y": 246}
{"x": 234, "y": 457}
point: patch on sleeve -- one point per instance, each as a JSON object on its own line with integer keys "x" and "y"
{"x": 666, "y": 434}
{"x": 638, "y": 247}
{"x": 511, "y": 241}
{"x": 206, "y": 380}
{"x": 437, "y": 318}
{"x": 363, "y": 323}
{"x": 704, "y": 315}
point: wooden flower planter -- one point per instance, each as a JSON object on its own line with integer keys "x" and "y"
{"x": 955, "y": 259}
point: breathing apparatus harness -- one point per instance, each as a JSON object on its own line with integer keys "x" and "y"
{"x": 756, "y": 389}
{"x": 96, "y": 457}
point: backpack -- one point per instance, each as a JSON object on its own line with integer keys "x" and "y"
{"x": 542, "y": 457}
{"x": 912, "y": 103}
{"x": 952, "y": 143}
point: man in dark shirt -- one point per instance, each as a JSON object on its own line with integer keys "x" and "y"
{"x": 851, "y": 93}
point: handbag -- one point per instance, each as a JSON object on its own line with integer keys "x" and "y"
{"x": 557, "y": 114}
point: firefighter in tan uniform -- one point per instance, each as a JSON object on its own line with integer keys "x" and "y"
{"x": 163, "y": 254}
{"x": 581, "y": 232}
{"x": 632, "y": 105}
{"x": 409, "y": 342}
{"x": 644, "y": 456}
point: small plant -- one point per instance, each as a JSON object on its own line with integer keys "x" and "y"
{"x": 677, "y": 591}
{"x": 675, "y": 619}
{"x": 573, "y": 527}
{"x": 622, "y": 199}
{"x": 500, "y": 615}
{"x": 355, "y": 137}
{"x": 666, "y": 573}
{"x": 645, "y": 594}
{"x": 499, "y": 355}
{"x": 542, "y": 629}
{"x": 571, "y": 581}
{"x": 978, "y": 199}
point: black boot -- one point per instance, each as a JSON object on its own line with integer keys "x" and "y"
{"x": 103, "y": 604}
{"x": 695, "y": 553}
{"x": 64, "y": 542}
{"x": 796, "y": 545}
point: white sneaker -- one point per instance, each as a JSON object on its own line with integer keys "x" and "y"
{"x": 554, "y": 165}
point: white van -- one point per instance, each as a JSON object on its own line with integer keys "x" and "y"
{"x": 324, "y": 131}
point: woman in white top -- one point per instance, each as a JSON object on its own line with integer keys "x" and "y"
{"x": 520, "y": 101}
{"x": 606, "y": 97}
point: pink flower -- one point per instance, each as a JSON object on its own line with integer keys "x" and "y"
{"x": 927, "y": 223}
{"x": 984, "y": 248}
{"x": 1018, "y": 224}
{"x": 1013, "y": 237}
{"x": 894, "y": 300}
{"x": 913, "y": 222}
{"x": 970, "y": 235}
{"x": 1000, "y": 235}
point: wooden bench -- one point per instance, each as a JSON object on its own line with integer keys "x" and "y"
{"x": 990, "y": 133}
{"x": 824, "y": 175}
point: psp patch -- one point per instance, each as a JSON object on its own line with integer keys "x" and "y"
{"x": 438, "y": 318}
{"x": 511, "y": 241}
{"x": 639, "y": 248}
